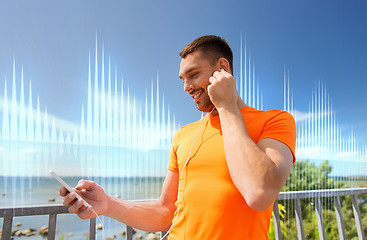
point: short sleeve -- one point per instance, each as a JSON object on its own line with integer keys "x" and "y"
{"x": 281, "y": 127}
{"x": 172, "y": 163}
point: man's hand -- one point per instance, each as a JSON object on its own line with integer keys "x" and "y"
{"x": 222, "y": 90}
{"x": 92, "y": 193}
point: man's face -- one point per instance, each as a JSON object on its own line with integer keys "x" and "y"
{"x": 195, "y": 72}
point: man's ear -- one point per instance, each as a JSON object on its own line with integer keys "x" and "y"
{"x": 223, "y": 63}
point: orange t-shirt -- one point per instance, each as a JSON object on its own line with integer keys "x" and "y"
{"x": 210, "y": 206}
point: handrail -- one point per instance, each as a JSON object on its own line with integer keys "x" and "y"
{"x": 318, "y": 194}
{"x": 54, "y": 210}
{"x": 34, "y": 210}
{"x": 321, "y": 193}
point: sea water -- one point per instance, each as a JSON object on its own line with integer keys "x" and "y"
{"x": 43, "y": 191}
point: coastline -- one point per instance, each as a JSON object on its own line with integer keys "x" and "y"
{"x": 25, "y": 192}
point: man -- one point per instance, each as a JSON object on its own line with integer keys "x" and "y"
{"x": 225, "y": 171}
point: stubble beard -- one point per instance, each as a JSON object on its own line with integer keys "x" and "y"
{"x": 205, "y": 105}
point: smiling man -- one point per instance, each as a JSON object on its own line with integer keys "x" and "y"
{"x": 225, "y": 170}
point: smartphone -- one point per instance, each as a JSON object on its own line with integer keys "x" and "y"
{"x": 67, "y": 187}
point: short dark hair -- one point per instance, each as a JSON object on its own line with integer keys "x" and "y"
{"x": 213, "y": 48}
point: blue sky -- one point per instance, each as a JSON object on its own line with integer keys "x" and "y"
{"x": 314, "y": 40}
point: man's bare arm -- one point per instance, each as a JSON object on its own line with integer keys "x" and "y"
{"x": 148, "y": 216}
{"x": 258, "y": 170}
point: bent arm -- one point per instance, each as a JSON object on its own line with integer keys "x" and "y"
{"x": 258, "y": 170}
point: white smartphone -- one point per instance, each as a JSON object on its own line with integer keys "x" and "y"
{"x": 67, "y": 187}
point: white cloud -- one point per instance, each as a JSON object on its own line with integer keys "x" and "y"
{"x": 60, "y": 123}
{"x": 326, "y": 153}
{"x": 300, "y": 116}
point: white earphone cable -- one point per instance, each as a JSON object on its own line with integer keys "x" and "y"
{"x": 182, "y": 171}
{"x": 99, "y": 219}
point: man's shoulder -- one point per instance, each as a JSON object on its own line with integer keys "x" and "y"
{"x": 189, "y": 128}
{"x": 251, "y": 112}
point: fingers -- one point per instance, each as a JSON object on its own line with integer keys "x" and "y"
{"x": 83, "y": 188}
{"x": 84, "y": 184}
{"x": 212, "y": 80}
{"x": 82, "y": 211}
{"x": 222, "y": 89}
{"x": 69, "y": 199}
{"x": 86, "y": 213}
{"x": 218, "y": 75}
{"x": 63, "y": 191}
{"x": 77, "y": 205}
{"x": 74, "y": 208}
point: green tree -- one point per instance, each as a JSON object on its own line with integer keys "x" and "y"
{"x": 305, "y": 175}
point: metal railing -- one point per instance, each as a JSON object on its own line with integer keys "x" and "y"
{"x": 317, "y": 195}
{"x": 53, "y": 211}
